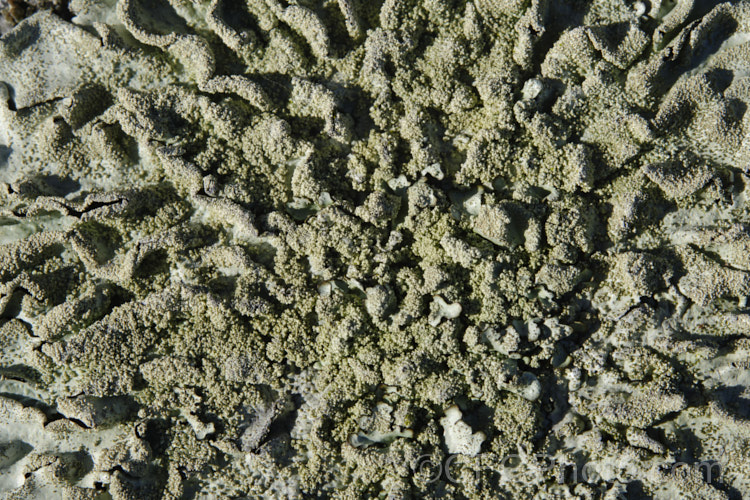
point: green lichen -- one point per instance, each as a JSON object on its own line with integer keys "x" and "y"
{"x": 318, "y": 249}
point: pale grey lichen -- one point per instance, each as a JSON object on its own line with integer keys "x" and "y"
{"x": 458, "y": 435}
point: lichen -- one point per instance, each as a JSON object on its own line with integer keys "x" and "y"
{"x": 393, "y": 249}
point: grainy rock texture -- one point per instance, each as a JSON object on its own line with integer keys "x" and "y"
{"x": 375, "y": 249}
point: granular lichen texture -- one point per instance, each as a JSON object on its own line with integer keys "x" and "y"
{"x": 375, "y": 249}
